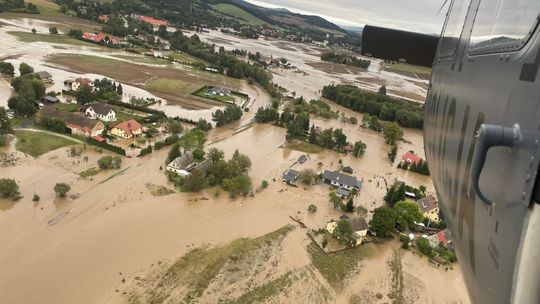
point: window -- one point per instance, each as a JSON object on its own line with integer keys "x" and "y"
{"x": 503, "y": 25}
{"x": 453, "y": 28}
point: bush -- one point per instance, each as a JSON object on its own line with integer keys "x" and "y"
{"x": 8, "y": 188}
{"x": 264, "y": 184}
{"x": 424, "y": 247}
{"x": 61, "y": 189}
{"x": 35, "y": 198}
{"x": 312, "y": 208}
{"x": 109, "y": 162}
{"x": 106, "y": 146}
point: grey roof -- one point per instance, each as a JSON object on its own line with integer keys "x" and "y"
{"x": 101, "y": 108}
{"x": 359, "y": 224}
{"x": 342, "y": 192}
{"x": 183, "y": 161}
{"x": 68, "y": 117}
{"x": 220, "y": 90}
{"x": 427, "y": 203}
{"x": 50, "y": 99}
{"x": 291, "y": 176}
{"x": 341, "y": 178}
{"x": 302, "y": 159}
{"x": 43, "y": 74}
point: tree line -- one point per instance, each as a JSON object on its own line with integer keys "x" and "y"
{"x": 347, "y": 60}
{"x": 407, "y": 114}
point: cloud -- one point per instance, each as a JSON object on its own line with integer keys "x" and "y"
{"x": 413, "y": 15}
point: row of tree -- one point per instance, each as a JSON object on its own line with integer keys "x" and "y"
{"x": 230, "y": 114}
{"x": 345, "y": 59}
{"x": 407, "y": 114}
{"x": 420, "y": 167}
{"x": 28, "y": 88}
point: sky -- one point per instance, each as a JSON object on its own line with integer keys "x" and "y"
{"x": 412, "y": 15}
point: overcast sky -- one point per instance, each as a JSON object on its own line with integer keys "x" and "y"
{"x": 412, "y": 15}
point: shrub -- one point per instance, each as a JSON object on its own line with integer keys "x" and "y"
{"x": 264, "y": 184}
{"x": 8, "y": 188}
{"x": 35, "y": 198}
{"x": 106, "y": 146}
{"x": 312, "y": 208}
{"x": 61, "y": 189}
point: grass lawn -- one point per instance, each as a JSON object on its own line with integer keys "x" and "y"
{"x": 336, "y": 267}
{"x": 181, "y": 57}
{"x": 171, "y": 86}
{"x": 89, "y": 172}
{"x": 28, "y": 37}
{"x": 305, "y": 147}
{"x": 408, "y": 68}
{"x": 143, "y": 59}
{"x": 38, "y": 143}
{"x": 68, "y": 107}
{"x": 202, "y": 93}
{"x": 235, "y": 11}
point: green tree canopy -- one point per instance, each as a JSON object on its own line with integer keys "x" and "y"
{"x": 8, "y": 188}
{"x": 61, "y": 189}
{"x": 384, "y": 221}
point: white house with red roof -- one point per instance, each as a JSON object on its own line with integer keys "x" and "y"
{"x": 156, "y": 23}
{"x": 127, "y": 129}
{"x": 440, "y": 237}
{"x": 98, "y": 37}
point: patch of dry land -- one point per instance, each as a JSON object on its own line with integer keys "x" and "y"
{"x": 127, "y": 236}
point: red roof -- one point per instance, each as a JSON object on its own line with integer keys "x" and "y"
{"x": 348, "y": 148}
{"x": 411, "y": 158}
{"x": 99, "y": 37}
{"x": 153, "y": 21}
{"x": 129, "y": 126}
{"x": 84, "y": 81}
{"x": 103, "y": 18}
{"x": 442, "y": 237}
{"x": 98, "y": 138}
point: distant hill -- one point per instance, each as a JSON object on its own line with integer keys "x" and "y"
{"x": 253, "y": 14}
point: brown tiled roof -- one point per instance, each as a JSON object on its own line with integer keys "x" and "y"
{"x": 427, "y": 203}
{"x": 129, "y": 126}
{"x": 100, "y": 108}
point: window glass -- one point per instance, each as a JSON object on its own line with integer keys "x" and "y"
{"x": 454, "y": 27}
{"x": 503, "y": 25}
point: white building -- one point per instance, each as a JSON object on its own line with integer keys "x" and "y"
{"x": 100, "y": 111}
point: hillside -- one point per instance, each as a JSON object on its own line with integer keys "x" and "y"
{"x": 278, "y": 17}
{"x": 239, "y": 13}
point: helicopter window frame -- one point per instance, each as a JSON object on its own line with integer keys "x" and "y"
{"x": 454, "y": 18}
{"x": 499, "y": 47}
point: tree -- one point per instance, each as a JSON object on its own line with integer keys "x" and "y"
{"x": 312, "y": 137}
{"x": 359, "y": 148}
{"x": 395, "y": 194}
{"x": 195, "y": 182}
{"x": 61, "y": 189}
{"x": 349, "y": 207}
{"x": 5, "y": 122}
{"x": 53, "y": 30}
{"x": 308, "y": 176}
{"x": 424, "y": 247}
{"x": 312, "y": 208}
{"x": 8, "y": 188}
{"x": 84, "y": 94}
{"x": 7, "y": 69}
{"x": 408, "y": 213}
{"x": 119, "y": 89}
{"x": 392, "y": 133}
{"x": 340, "y": 139}
{"x": 264, "y": 184}
{"x": 240, "y": 185}
{"x": 239, "y": 163}
{"x": 198, "y": 154}
{"x": 109, "y": 162}
{"x": 343, "y": 231}
{"x": 173, "y": 153}
{"x": 203, "y": 125}
{"x": 384, "y": 221}
{"x": 175, "y": 127}
{"x": 382, "y": 90}
{"x": 393, "y": 153}
{"x": 34, "y": 31}
{"x": 215, "y": 155}
{"x": 25, "y": 69}
{"x": 335, "y": 200}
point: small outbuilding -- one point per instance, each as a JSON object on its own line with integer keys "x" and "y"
{"x": 290, "y": 177}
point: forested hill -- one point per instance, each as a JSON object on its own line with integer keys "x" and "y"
{"x": 282, "y": 17}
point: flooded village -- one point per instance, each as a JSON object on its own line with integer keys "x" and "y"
{"x": 149, "y": 175}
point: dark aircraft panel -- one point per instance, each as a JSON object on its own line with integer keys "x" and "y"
{"x": 397, "y": 45}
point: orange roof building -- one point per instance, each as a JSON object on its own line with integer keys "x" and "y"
{"x": 410, "y": 158}
{"x": 153, "y": 21}
{"x": 99, "y": 38}
{"x": 127, "y": 129}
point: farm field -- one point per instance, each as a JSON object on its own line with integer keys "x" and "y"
{"x": 238, "y": 12}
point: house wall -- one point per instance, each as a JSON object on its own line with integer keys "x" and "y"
{"x": 433, "y": 214}
{"x": 120, "y": 133}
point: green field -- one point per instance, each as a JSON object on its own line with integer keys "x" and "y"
{"x": 38, "y": 143}
{"x": 237, "y": 12}
{"x": 181, "y": 57}
{"x": 143, "y": 59}
{"x": 68, "y": 107}
{"x": 305, "y": 147}
{"x": 408, "y": 68}
{"x": 171, "y": 86}
{"x": 202, "y": 93}
{"x": 28, "y": 37}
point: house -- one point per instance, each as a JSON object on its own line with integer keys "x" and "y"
{"x": 78, "y": 124}
{"x": 103, "y": 18}
{"x": 100, "y": 111}
{"x": 438, "y": 238}
{"x": 359, "y": 227}
{"x": 220, "y": 91}
{"x": 98, "y": 37}
{"x": 127, "y": 129}
{"x": 302, "y": 159}
{"x": 410, "y": 158}
{"x": 156, "y": 23}
{"x": 343, "y": 193}
{"x": 185, "y": 164}
{"x": 44, "y": 76}
{"x": 49, "y": 99}
{"x": 429, "y": 207}
{"x": 348, "y": 170}
{"x": 74, "y": 85}
{"x": 290, "y": 177}
{"x": 341, "y": 180}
